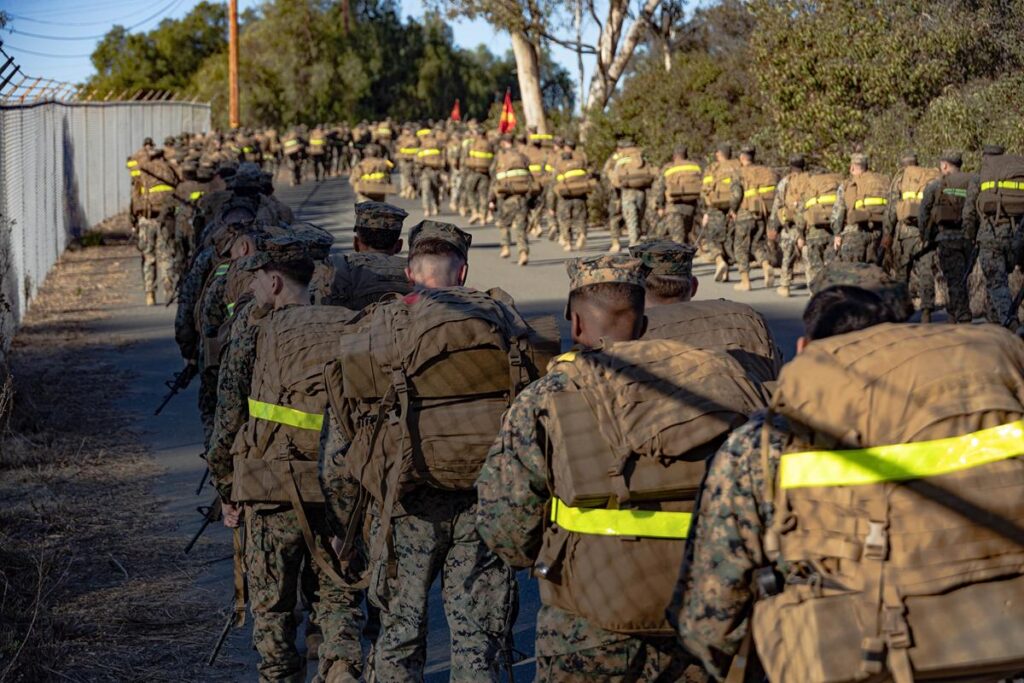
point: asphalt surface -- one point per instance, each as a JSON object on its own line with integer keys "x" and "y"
{"x": 175, "y": 437}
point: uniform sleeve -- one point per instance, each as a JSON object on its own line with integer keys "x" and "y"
{"x": 233, "y": 383}
{"x": 714, "y": 597}
{"x": 924, "y": 211}
{"x": 970, "y": 212}
{"x": 889, "y": 222}
{"x": 777, "y": 203}
{"x": 838, "y": 220}
{"x": 512, "y": 488}
{"x": 735, "y": 192}
{"x": 340, "y": 491}
{"x": 185, "y": 333}
{"x": 658, "y": 189}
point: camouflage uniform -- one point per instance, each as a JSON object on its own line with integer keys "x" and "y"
{"x": 788, "y": 233}
{"x": 430, "y": 178}
{"x": 907, "y": 239}
{"x": 718, "y": 226}
{"x": 156, "y": 226}
{"x": 677, "y": 223}
{"x": 953, "y": 244}
{"x": 995, "y": 255}
{"x": 514, "y": 493}
{"x": 634, "y": 203}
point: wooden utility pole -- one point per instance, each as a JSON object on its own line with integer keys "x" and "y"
{"x": 234, "y": 119}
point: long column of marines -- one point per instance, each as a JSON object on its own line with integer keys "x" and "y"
{"x": 691, "y": 507}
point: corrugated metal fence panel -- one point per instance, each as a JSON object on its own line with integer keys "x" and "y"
{"x": 62, "y": 171}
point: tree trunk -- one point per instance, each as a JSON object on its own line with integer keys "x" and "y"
{"x": 612, "y": 56}
{"x": 528, "y": 70}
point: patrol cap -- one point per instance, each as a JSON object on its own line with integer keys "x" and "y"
{"x": 276, "y": 250}
{"x": 444, "y": 232}
{"x": 379, "y": 216}
{"x": 870, "y": 277}
{"x": 725, "y": 148}
{"x": 681, "y": 151}
{"x": 952, "y": 157}
{"x": 909, "y": 159}
{"x": 993, "y": 150}
{"x": 859, "y": 158}
{"x": 148, "y": 142}
{"x": 605, "y": 269}
{"x": 749, "y": 150}
{"x": 169, "y": 140}
{"x": 624, "y": 141}
{"x": 248, "y": 176}
{"x": 665, "y": 257}
{"x": 798, "y": 161}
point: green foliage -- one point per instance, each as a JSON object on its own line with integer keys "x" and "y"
{"x": 299, "y": 64}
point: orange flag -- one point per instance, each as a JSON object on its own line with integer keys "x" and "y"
{"x": 507, "y": 122}
{"x": 456, "y": 114}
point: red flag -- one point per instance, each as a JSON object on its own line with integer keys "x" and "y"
{"x": 456, "y": 114}
{"x": 507, "y": 122}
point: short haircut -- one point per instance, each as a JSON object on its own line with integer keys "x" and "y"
{"x": 298, "y": 271}
{"x": 841, "y": 309}
{"x": 611, "y": 296}
{"x": 669, "y": 286}
{"x": 435, "y": 247}
{"x": 381, "y": 240}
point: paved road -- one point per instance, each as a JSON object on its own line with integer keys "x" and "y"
{"x": 175, "y": 437}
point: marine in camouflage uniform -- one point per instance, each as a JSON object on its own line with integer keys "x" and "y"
{"x": 156, "y": 225}
{"x": 676, "y": 216}
{"x": 748, "y": 233}
{"x": 717, "y": 226}
{"x": 785, "y": 223}
{"x": 856, "y": 242}
{"x": 275, "y": 550}
{"x": 906, "y": 239}
{"x": 952, "y": 240}
{"x": 514, "y": 491}
{"x": 715, "y": 595}
{"x": 995, "y": 251}
{"x": 433, "y": 532}
{"x": 512, "y": 209}
{"x": 377, "y": 242}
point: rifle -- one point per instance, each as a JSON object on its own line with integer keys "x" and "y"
{"x": 211, "y": 513}
{"x": 239, "y": 596}
{"x": 180, "y": 382}
{"x": 971, "y": 260}
{"x": 202, "y": 480}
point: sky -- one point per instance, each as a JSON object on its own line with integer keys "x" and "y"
{"x": 54, "y": 38}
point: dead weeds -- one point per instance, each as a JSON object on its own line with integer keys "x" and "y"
{"x": 91, "y": 588}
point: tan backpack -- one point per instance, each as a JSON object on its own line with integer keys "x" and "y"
{"x": 867, "y": 197}
{"x": 631, "y": 170}
{"x": 720, "y": 325}
{"x": 512, "y": 175}
{"x": 819, "y": 195}
{"x": 480, "y": 155}
{"x": 683, "y": 182}
{"x": 573, "y": 180}
{"x": 1001, "y": 192}
{"x": 374, "y": 177}
{"x": 717, "y": 183}
{"x": 792, "y": 203}
{"x": 911, "y": 189}
{"x": 361, "y": 279}
{"x": 629, "y": 438}
{"x": 430, "y": 153}
{"x": 948, "y": 210}
{"x": 759, "y": 183}
{"x": 901, "y": 562}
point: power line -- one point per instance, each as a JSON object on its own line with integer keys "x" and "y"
{"x": 45, "y": 54}
{"x": 108, "y": 22}
{"x": 87, "y": 8}
{"x": 169, "y": 7}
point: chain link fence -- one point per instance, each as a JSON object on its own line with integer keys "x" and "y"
{"x": 62, "y": 171}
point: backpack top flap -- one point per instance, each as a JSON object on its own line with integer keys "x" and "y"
{"x": 900, "y": 383}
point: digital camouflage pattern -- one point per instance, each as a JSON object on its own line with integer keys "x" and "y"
{"x": 186, "y": 332}
{"x": 866, "y": 276}
{"x": 607, "y": 268}
{"x": 445, "y": 232}
{"x": 953, "y": 248}
{"x": 433, "y": 533}
{"x": 275, "y": 552}
{"x": 571, "y": 213}
{"x": 664, "y": 257}
{"x": 633, "y": 202}
{"x": 379, "y": 216}
{"x": 712, "y": 603}
{"x": 513, "y": 213}
{"x": 157, "y": 244}
{"x": 514, "y": 493}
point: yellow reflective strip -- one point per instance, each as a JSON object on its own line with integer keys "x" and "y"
{"x": 684, "y": 168}
{"x": 481, "y": 155}
{"x": 764, "y": 189}
{"x": 604, "y": 522}
{"x": 541, "y": 136}
{"x": 285, "y": 416}
{"x": 135, "y": 173}
{"x": 379, "y": 175}
{"x": 1002, "y": 185}
{"x": 231, "y": 308}
{"x": 160, "y": 188}
{"x": 548, "y": 168}
{"x": 131, "y": 163}
{"x": 247, "y": 150}
{"x": 535, "y": 168}
{"x": 316, "y": 141}
{"x": 513, "y": 173}
{"x": 575, "y": 173}
{"x": 408, "y": 150}
{"x": 912, "y": 196}
{"x": 623, "y": 160}
{"x": 708, "y": 179}
{"x": 222, "y": 269}
{"x": 900, "y": 462}
{"x": 432, "y": 152}
{"x": 290, "y": 143}
{"x": 422, "y": 131}
{"x": 870, "y": 201}
{"x": 820, "y": 199}
{"x": 196, "y": 195}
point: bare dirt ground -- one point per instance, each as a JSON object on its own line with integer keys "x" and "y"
{"x": 93, "y": 585}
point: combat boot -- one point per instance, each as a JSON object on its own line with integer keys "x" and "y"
{"x": 505, "y": 251}
{"x": 783, "y": 291}
{"x": 769, "y": 274}
{"x": 744, "y": 283}
{"x": 616, "y": 247}
{"x": 581, "y": 242}
{"x": 721, "y": 269}
{"x": 567, "y": 245}
{"x": 553, "y": 233}
{"x": 151, "y": 298}
{"x": 926, "y": 315}
{"x": 524, "y": 258}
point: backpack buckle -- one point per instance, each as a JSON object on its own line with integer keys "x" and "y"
{"x": 872, "y": 655}
{"x": 768, "y": 582}
{"x": 399, "y": 381}
{"x": 897, "y": 635}
{"x": 876, "y": 544}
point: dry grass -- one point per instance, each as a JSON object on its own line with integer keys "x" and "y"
{"x": 92, "y": 587}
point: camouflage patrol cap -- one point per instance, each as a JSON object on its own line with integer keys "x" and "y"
{"x": 870, "y": 277}
{"x": 379, "y": 216}
{"x": 169, "y": 140}
{"x": 748, "y": 149}
{"x": 859, "y": 158}
{"x": 798, "y": 161}
{"x": 952, "y": 157}
{"x": 248, "y": 176}
{"x": 281, "y": 249}
{"x": 624, "y": 142}
{"x": 665, "y": 257}
{"x": 148, "y": 142}
{"x": 604, "y": 269}
{"x": 908, "y": 159}
{"x": 444, "y": 232}
{"x": 725, "y": 148}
